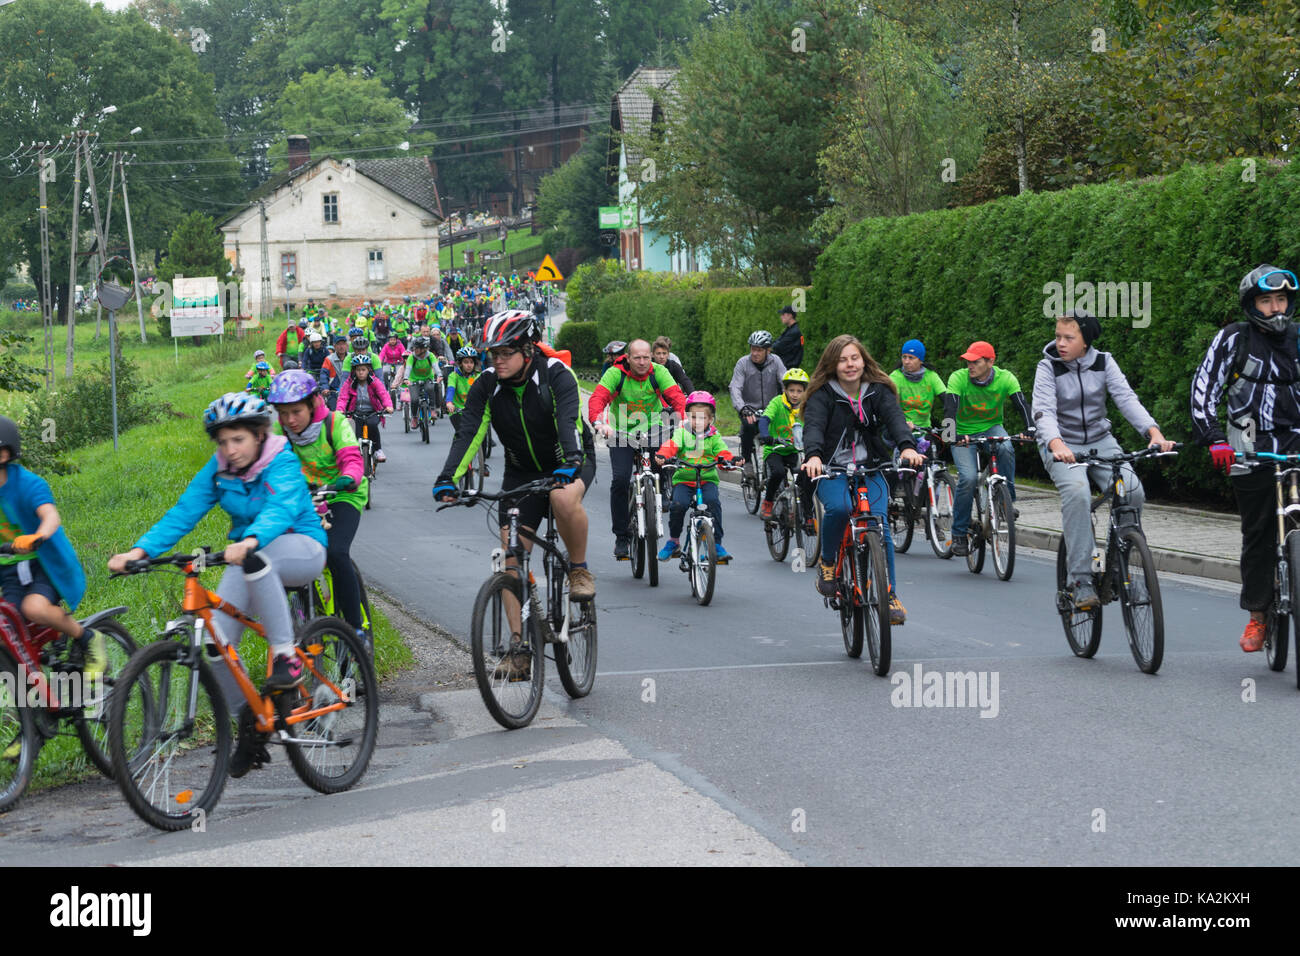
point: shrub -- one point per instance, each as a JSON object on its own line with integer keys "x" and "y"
{"x": 648, "y": 314}
{"x": 582, "y": 340}
{"x": 728, "y": 316}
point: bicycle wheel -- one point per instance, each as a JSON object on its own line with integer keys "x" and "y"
{"x": 509, "y": 675}
{"x": 1139, "y": 595}
{"x": 637, "y": 544}
{"x": 749, "y": 488}
{"x": 902, "y": 515}
{"x": 406, "y": 417}
{"x": 704, "y": 568}
{"x": 168, "y": 767}
{"x": 814, "y": 551}
{"x": 17, "y": 726}
{"x": 334, "y": 748}
{"x": 1277, "y": 626}
{"x": 92, "y": 720}
{"x": 575, "y": 661}
{"x": 651, "y": 498}
{"x": 423, "y": 416}
{"x": 1004, "y": 533}
{"x": 777, "y": 529}
{"x": 874, "y": 580}
{"x": 1082, "y": 628}
{"x": 1293, "y": 559}
{"x": 851, "y": 620}
{"x": 938, "y": 514}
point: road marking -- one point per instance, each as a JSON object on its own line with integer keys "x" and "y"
{"x": 717, "y": 667}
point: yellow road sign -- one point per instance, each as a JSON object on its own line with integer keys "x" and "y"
{"x": 548, "y": 271}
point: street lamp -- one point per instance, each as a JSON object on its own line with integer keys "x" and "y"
{"x": 112, "y": 296}
{"x": 289, "y": 283}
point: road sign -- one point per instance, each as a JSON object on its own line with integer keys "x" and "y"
{"x": 196, "y": 306}
{"x": 549, "y": 272}
{"x": 610, "y": 217}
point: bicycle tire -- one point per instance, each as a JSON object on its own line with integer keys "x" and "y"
{"x": 1277, "y": 626}
{"x": 1146, "y": 635}
{"x": 704, "y": 571}
{"x": 874, "y": 584}
{"x": 651, "y": 498}
{"x": 938, "y": 514}
{"x": 749, "y": 488}
{"x": 17, "y": 724}
{"x": 575, "y": 661}
{"x": 636, "y": 549}
{"x": 423, "y": 416}
{"x": 1293, "y": 552}
{"x": 814, "y": 553}
{"x": 1004, "y": 555}
{"x": 510, "y": 705}
{"x": 1082, "y": 628}
{"x": 346, "y": 663}
{"x": 154, "y": 726}
{"x": 406, "y": 417}
{"x": 851, "y": 622}
{"x": 92, "y": 727}
{"x": 777, "y": 531}
{"x": 902, "y": 516}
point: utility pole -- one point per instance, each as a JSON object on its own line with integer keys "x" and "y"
{"x": 47, "y": 305}
{"x": 130, "y": 238}
{"x": 265, "y": 304}
{"x": 72, "y": 259}
{"x": 101, "y": 250}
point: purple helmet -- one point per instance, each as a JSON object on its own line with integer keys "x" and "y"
{"x": 291, "y": 386}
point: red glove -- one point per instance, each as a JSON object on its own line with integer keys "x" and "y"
{"x": 1223, "y": 456}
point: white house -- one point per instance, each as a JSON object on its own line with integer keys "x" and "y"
{"x": 341, "y": 228}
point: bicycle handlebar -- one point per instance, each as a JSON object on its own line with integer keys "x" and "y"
{"x": 1268, "y": 456}
{"x": 1151, "y": 451}
{"x": 718, "y": 463}
{"x": 212, "y": 557}
{"x": 467, "y": 498}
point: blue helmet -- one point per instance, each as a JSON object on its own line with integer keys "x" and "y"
{"x": 236, "y": 408}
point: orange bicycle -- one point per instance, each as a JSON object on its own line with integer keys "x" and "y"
{"x": 169, "y": 728}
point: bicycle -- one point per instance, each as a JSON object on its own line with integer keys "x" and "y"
{"x": 367, "y": 446}
{"x": 935, "y": 491}
{"x": 788, "y": 522}
{"x": 422, "y": 414}
{"x": 183, "y": 740}
{"x": 505, "y": 658}
{"x": 862, "y": 572}
{"x": 41, "y": 691}
{"x": 645, "y": 510}
{"x": 751, "y": 489}
{"x": 404, "y": 396}
{"x": 993, "y": 514}
{"x": 699, "y": 556}
{"x": 317, "y": 599}
{"x": 1280, "y": 613}
{"x": 1113, "y": 575}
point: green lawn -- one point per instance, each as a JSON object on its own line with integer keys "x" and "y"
{"x": 518, "y": 240}
{"x": 116, "y": 496}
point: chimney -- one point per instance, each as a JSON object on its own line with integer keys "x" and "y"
{"x": 299, "y": 152}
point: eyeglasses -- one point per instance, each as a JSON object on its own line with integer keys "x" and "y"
{"x": 1277, "y": 281}
{"x": 502, "y": 353}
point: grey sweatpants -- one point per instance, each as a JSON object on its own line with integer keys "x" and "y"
{"x": 1076, "y": 500}
{"x": 292, "y": 560}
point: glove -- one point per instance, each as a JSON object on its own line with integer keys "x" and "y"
{"x": 566, "y": 474}
{"x": 343, "y": 483}
{"x": 27, "y": 543}
{"x": 444, "y": 491}
{"x": 1222, "y": 455}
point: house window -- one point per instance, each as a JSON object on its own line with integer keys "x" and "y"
{"x": 331, "y": 207}
{"x": 375, "y": 263}
{"x": 288, "y": 266}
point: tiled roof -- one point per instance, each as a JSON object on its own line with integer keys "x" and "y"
{"x": 632, "y": 106}
{"x": 409, "y": 177}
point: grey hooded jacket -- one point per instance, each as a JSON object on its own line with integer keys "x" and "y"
{"x": 1070, "y": 398}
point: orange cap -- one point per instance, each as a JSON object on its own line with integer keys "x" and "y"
{"x": 980, "y": 350}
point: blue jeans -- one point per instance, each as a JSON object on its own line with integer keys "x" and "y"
{"x": 683, "y": 497}
{"x": 966, "y": 458}
{"x": 835, "y": 498}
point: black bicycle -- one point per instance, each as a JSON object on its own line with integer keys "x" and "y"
{"x": 1286, "y": 573}
{"x": 508, "y": 650}
{"x": 645, "y": 517}
{"x": 1124, "y": 571}
{"x": 790, "y": 522}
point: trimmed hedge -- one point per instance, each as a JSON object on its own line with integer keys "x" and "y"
{"x": 650, "y": 314}
{"x": 582, "y": 340}
{"x": 730, "y": 316}
{"x": 950, "y": 277}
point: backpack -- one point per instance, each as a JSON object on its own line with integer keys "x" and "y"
{"x": 654, "y": 383}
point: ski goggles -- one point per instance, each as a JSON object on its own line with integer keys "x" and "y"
{"x": 1279, "y": 280}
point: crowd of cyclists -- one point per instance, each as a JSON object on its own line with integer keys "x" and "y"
{"x": 291, "y": 432}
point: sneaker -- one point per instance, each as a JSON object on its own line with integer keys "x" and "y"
{"x": 826, "y": 582}
{"x": 286, "y": 673}
{"x": 622, "y": 549}
{"x": 250, "y": 749}
{"x": 722, "y": 553}
{"x": 960, "y": 546}
{"x": 582, "y": 585}
{"x": 1015, "y": 512}
{"x": 15, "y": 749}
{"x": 810, "y": 527}
{"x": 1252, "y": 639}
{"x": 766, "y": 512}
{"x": 1085, "y": 596}
{"x": 897, "y": 613}
{"x": 670, "y": 549}
{"x": 516, "y": 664}
{"x": 380, "y": 456}
{"x": 96, "y": 660}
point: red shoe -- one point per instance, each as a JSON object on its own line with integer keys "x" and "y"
{"x": 1253, "y": 638}
{"x": 766, "y": 513}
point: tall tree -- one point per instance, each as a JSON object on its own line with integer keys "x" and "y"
{"x": 633, "y": 31}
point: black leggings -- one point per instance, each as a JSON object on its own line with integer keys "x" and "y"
{"x": 775, "y": 466}
{"x": 347, "y": 592}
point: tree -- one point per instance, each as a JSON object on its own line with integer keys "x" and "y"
{"x": 633, "y": 30}
{"x": 196, "y": 249}
{"x": 568, "y": 198}
{"x": 344, "y": 115}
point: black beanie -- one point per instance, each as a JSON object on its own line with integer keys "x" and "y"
{"x": 1089, "y": 326}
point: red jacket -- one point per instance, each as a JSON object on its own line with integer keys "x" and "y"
{"x": 672, "y": 398}
{"x": 282, "y": 341}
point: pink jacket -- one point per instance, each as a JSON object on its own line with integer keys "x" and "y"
{"x": 379, "y": 396}
{"x": 392, "y": 353}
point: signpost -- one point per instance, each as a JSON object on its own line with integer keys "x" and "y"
{"x": 196, "y": 306}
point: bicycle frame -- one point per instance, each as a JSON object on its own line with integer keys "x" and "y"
{"x": 645, "y": 466}
{"x": 26, "y": 644}
{"x": 862, "y": 521}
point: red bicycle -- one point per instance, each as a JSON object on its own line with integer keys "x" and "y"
{"x": 42, "y": 694}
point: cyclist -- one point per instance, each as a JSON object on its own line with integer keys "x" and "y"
{"x": 976, "y": 400}
{"x": 261, "y": 380}
{"x": 755, "y": 381}
{"x": 695, "y": 440}
{"x": 314, "y": 355}
{"x": 392, "y": 358}
{"x": 401, "y": 325}
{"x": 1254, "y": 365}
{"x": 636, "y": 392}
{"x": 422, "y": 373}
{"x": 849, "y": 401}
{"x": 363, "y": 395}
{"x": 43, "y": 570}
{"x": 258, "y": 356}
{"x": 282, "y": 345}
{"x": 382, "y": 325}
{"x": 776, "y": 431}
{"x": 918, "y": 385}
{"x": 613, "y": 352}
{"x": 662, "y": 354}
{"x": 532, "y": 403}
{"x": 360, "y": 345}
{"x": 277, "y": 540}
{"x": 459, "y": 383}
{"x": 1070, "y": 389}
